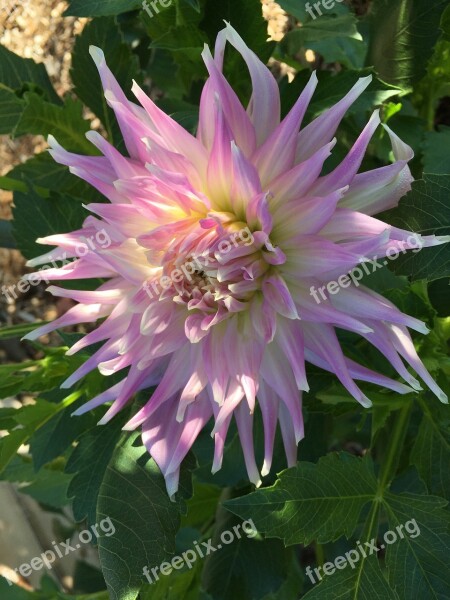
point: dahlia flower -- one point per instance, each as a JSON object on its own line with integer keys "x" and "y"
{"x": 216, "y": 243}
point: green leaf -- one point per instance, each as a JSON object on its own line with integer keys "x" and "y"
{"x": 53, "y": 439}
{"x": 325, "y": 28}
{"x": 202, "y": 506}
{"x": 35, "y": 217}
{"x": 311, "y": 502}
{"x": 431, "y": 450}
{"x": 417, "y": 564}
{"x": 331, "y": 500}
{"x": 16, "y": 72}
{"x": 403, "y": 34}
{"x": 105, "y": 34}
{"x": 36, "y": 375}
{"x": 133, "y": 495}
{"x": 88, "y": 462}
{"x": 100, "y": 8}
{"x": 65, "y": 123}
{"x": 363, "y": 582}
{"x": 249, "y": 567}
{"x": 47, "y": 175}
{"x": 436, "y": 157}
{"x": 179, "y": 584}
{"x": 28, "y": 418}
{"x": 347, "y": 51}
{"x": 11, "y": 108}
{"x": 426, "y": 210}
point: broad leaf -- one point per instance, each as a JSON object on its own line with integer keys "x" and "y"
{"x": 17, "y": 74}
{"x": 65, "y": 123}
{"x": 133, "y": 495}
{"x": 35, "y": 217}
{"x": 311, "y": 502}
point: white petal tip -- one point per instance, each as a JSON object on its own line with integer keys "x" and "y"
{"x": 97, "y": 55}
{"x": 442, "y": 239}
{"x": 66, "y": 384}
{"x": 265, "y": 469}
{"x": 364, "y": 401}
{"x": 443, "y": 398}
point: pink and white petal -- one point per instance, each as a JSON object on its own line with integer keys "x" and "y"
{"x": 381, "y": 189}
{"x": 320, "y": 131}
{"x": 344, "y": 174}
{"x": 264, "y": 107}
{"x": 235, "y": 114}
{"x": 277, "y": 154}
{"x": 297, "y": 182}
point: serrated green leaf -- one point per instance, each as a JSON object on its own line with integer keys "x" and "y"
{"x": 88, "y": 462}
{"x": 11, "y": 108}
{"x": 431, "y": 450}
{"x": 363, "y": 582}
{"x": 47, "y": 175}
{"x": 133, "y": 495}
{"x": 53, "y": 439}
{"x": 35, "y": 217}
{"x": 325, "y": 28}
{"x": 65, "y": 123}
{"x": 347, "y": 51}
{"x": 417, "y": 564}
{"x": 259, "y": 567}
{"x": 312, "y": 502}
{"x": 29, "y": 418}
{"x": 16, "y": 72}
